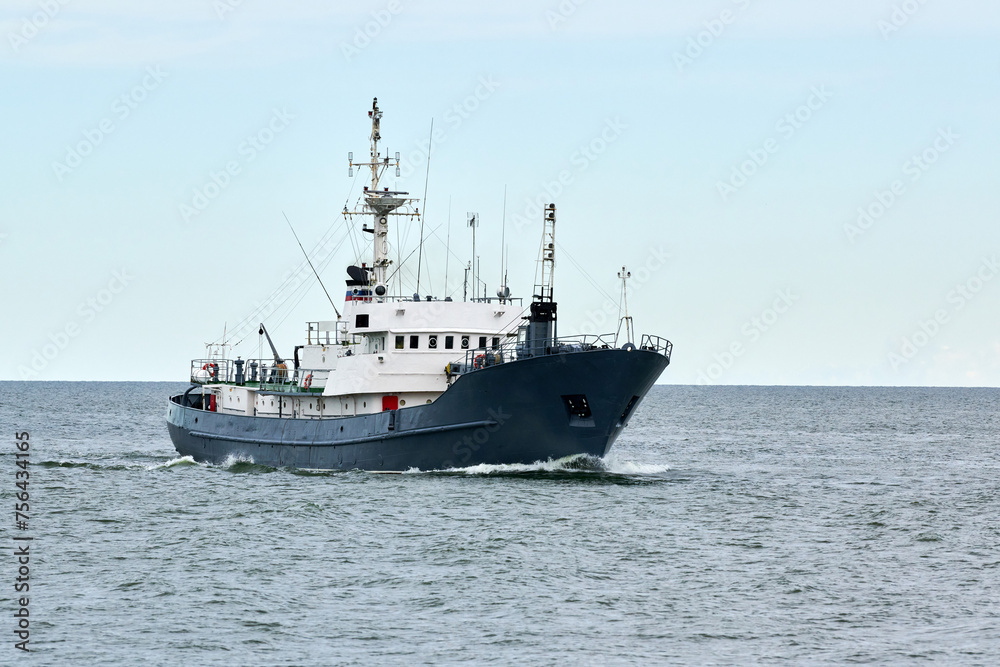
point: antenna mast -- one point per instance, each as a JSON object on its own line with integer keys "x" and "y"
{"x": 624, "y": 275}
{"x": 543, "y": 290}
{"x": 503, "y": 292}
{"x": 380, "y": 205}
{"x": 420, "y": 252}
{"x": 447, "y": 254}
{"x": 474, "y": 222}
{"x": 541, "y": 334}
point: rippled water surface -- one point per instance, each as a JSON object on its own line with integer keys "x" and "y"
{"x": 729, "y": 526}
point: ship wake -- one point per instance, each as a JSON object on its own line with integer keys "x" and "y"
{"x": 580, "y": 465}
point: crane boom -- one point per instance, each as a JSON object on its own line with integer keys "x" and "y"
{"x": 277, "y": 358}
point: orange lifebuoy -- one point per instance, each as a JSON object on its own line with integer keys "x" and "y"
{"x": 479, "y": 361}
{"x": 309, "y": 381}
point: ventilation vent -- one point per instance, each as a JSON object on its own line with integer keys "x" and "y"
{"x": 578, "y": 406}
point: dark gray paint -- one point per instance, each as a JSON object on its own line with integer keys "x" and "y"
{"x": 510, "y": 413}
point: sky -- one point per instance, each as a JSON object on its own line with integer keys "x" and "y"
{"x": 804, "y": 192}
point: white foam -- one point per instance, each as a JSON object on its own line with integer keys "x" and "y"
{"x": 181, "y": 461}
{"x": 234, "y": 459}
{"x": 632, "y": 468}
{"x": 580, "y": 463}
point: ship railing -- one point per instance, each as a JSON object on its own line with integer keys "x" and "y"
{"x": 657, "y": 344}
{"x": 480, "y": 358}
{"x": 210, "y": 371}
{"x": 519, "y": 301}
{"x": 323, "y": 333}
{"x": 262, "y": 374}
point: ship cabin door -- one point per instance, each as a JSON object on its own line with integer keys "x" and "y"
{"x": 390, "y": 403}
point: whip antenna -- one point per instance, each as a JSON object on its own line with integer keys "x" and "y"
{"x": 311, "y": 264}
{"x": 420, "y": 255}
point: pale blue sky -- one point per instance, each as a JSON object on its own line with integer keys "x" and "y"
{"x": 557, "y": 77}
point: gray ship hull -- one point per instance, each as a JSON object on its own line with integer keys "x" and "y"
{"x": 521, "y": 412}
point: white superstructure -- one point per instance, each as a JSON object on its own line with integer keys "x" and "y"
{"x": 386, "y": 352}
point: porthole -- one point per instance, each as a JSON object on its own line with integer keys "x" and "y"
{"x": 195, "y": 420}
{"x": 402, "y": 402}
{"x": 364, "y": 404}
{"x": 428, "y": 401}
{"x": 310, "y": 406}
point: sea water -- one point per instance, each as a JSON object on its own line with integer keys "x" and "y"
{"x": 729, "y": 525}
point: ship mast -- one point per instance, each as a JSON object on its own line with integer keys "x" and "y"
{"x": 379, "y": 204}
{"x": 541, "y": 328}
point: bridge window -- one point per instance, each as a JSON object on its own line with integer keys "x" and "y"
{"x": 414, "y": 342}
{"x": 432, "y": 342}
{"x": 400, "y": 342}
{"x": 465, "y": 342}
{"x": 482, "y": 342}
{"x": 496, "y": 343}
{"x": 449, "y": 342}
{"x": 361, "y": 321}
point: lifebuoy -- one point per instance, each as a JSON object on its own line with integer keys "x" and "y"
{"x": 309, "y": 381}
{"x": 479, "y": 361}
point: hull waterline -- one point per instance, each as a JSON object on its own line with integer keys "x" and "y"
{"x": 520, "y": 412}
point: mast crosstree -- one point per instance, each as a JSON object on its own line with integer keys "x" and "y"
{"x": 380, "y": 204}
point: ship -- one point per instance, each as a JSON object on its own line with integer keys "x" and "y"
{"x": 399, "y": 383}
